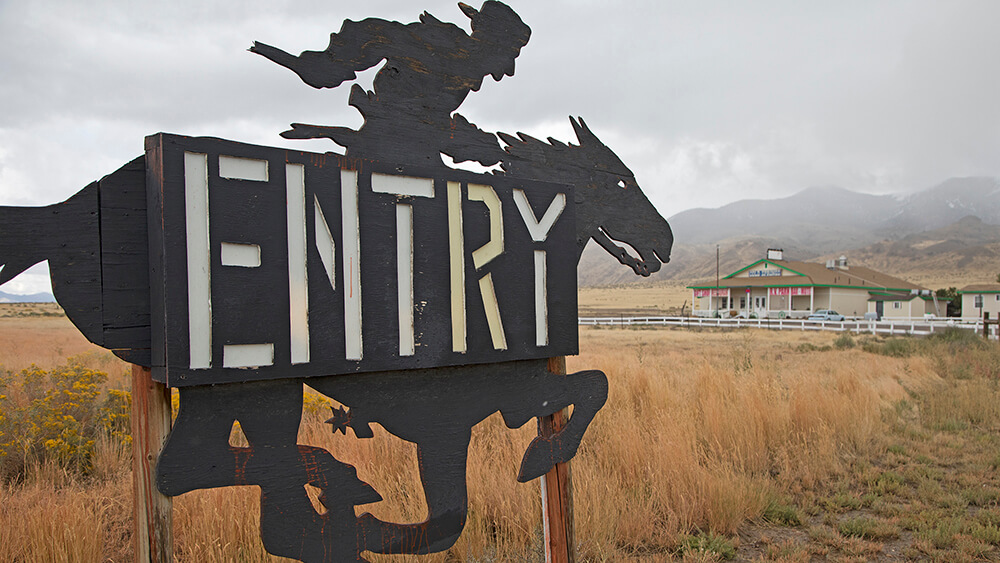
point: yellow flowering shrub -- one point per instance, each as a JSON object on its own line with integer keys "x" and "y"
{"x": 175, "y": 403}
{"x": 115, "y": 411}
{"x": 313, "y": 402}
{"x": 57, "y": 415}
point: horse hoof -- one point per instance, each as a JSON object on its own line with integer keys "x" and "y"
{"x": 436, "y": 534}
{"x": 538, "y": 459}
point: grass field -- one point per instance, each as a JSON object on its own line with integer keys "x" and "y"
{"x": 654, "y": 300}
{"x": 751, "y": 446}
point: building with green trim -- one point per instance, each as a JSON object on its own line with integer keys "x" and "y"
{"x": 905, "y": 305}
{"x": 980, "y": 298}
{"x": 777, "y": 288}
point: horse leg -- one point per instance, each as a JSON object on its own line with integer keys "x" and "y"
{"x": 442, "y": 461}
{"x": 289, "y": 525}
{"x": 197, "y": 454}
{"x": 586, "y": 390}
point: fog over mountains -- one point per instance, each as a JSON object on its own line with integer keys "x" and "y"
{"x": 957, "y": 219}
{"x": 951, "y": 228}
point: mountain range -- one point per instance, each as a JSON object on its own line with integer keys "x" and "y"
{"x": 33, "y": 298}
{"x": 950, "y": 231}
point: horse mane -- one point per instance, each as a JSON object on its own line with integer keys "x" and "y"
{"x": 528, "y": 157}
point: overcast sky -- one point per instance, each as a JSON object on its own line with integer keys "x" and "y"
{"x": 707, "y": 102}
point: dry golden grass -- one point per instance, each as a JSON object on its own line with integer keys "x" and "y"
{"x": 57, "y": 517}
{"x": 957, "y": 279}
{"x": 702, "y": 430}
{"x": 22, "y": 310}
{"x": 42, "y": 340}
{"x": 664, "y": 298}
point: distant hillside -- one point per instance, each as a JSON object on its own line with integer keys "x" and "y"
{"x": 945, "y": 204}
{"x": 33, "y": 298}
{"x": 969, "y": 246}
{"x": 687, "y": 262}
{"x": 813, "y": 218}
{"x": 950, "y": 227}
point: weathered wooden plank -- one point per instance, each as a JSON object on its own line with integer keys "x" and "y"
{"x": 152, "y": 510}
{"x": 157, "y": 290}
{"x": 124, "y": 248}
{"x": 557, "y": 489}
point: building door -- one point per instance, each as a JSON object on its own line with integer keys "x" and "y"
{"x": 879, "y": 309}
{"x": 760, "y": 306}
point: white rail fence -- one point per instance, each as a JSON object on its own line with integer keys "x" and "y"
{"x": 914, "y": 327}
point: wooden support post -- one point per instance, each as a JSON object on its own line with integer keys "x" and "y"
{"x": 557, "y": 490}
{"x": 152, "y": 510}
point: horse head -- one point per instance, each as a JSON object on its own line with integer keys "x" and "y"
{"x": 611, "y": 208}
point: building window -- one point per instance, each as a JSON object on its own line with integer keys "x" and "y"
{"x": 998, "y": 296}
{"x": 743, "y": 302}
{"x": 897, "y": 305}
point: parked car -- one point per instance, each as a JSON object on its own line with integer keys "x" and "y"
{"x": 826, "y": 315}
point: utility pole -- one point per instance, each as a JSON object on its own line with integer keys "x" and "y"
{"x": 717, "y": 274}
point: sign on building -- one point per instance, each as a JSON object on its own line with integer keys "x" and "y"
{"x": 792, "y": 291}
{"x": 714, "y": 292}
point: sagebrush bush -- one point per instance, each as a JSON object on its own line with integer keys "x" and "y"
{"x": 898, "y": 347}
{"x": 56, "y": 416}
{"x": 946, "y": 345}
{"x": 844, "y": 341}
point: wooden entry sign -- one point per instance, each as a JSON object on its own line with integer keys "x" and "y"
{"x": 420, "y": 297}
{"x": 270, "y": 263}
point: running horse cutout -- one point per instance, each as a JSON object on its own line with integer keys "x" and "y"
{"x": 474, "y": 344}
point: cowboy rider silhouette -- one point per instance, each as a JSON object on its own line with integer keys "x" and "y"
{"x": 430, "y": 67}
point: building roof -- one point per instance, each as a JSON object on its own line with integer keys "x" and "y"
{"x": 815, "y": 275}
{"x": 894, "y": 296}
{"x": 981, "y": 288}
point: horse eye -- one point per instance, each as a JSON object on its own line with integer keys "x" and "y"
{"x": 621, "y": 183}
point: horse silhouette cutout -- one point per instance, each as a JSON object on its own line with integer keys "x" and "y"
{"x": 97, "y": 246}
{"x": 433, "y": 408}
{"x": 610, "y": 205}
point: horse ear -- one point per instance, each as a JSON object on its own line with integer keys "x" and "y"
{"x": 510, "y": 140}
{"x": 427, "y": 17}
{"x": 468, "y": 10}
{"x": 583, "y": 133}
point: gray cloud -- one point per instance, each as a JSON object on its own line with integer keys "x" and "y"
{"x": 706, "y": 101}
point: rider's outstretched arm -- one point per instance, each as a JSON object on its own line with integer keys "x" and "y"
{"x": 357, "y": 46}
